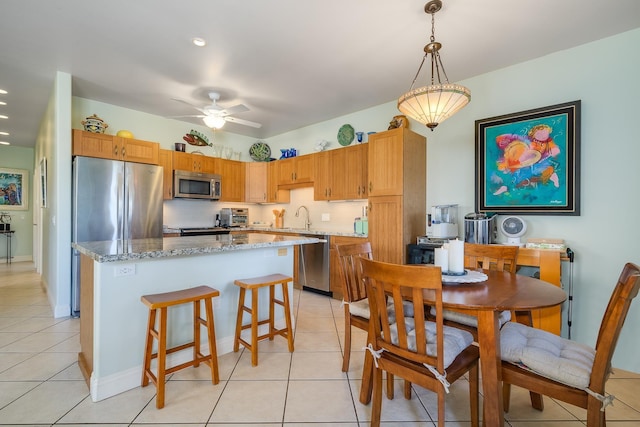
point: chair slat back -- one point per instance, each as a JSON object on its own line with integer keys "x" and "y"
{"x": 612, "y": 322}
{"x": 353, "y": 288}
{"x": 490, "y": 257}
{"x": 408, "y": 283}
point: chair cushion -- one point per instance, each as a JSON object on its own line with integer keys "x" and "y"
{"x": 469, "y": 319}
{"x": 360, "y": 308}
{"x": 547, "y": 354}
{"x": 455, "y": 340}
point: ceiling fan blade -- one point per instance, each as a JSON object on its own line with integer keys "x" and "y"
{"x": 242, "y": 122}
{"x": 240, "y": 108}
{"x": 190, "y": 105}
{"x": 189, "y": 115}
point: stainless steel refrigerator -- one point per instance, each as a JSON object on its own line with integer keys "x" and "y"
{"x": 112, "y": 200}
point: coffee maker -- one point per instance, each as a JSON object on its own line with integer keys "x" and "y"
{"x": 442, "y": 222}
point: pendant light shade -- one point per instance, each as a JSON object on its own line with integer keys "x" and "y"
{"x": 434, "y": 103}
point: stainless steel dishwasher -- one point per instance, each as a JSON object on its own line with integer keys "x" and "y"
{"x": 313, "y": 268}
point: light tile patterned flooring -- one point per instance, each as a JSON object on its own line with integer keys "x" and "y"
{"x": 40, "y": 383}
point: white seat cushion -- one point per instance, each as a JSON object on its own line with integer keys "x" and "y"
{"x": 469, "y": 319}
{"x": 360, "y": 308}
{"x": 547, "y": 354}
{"x": 455, "y": 340}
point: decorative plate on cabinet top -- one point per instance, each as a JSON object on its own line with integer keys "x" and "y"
{"x": 260, "y": 151}
{"x": 346, "y": 133}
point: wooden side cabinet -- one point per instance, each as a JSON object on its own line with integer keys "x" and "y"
{"x": 549, "y": 263}
{"x": 396, "y": 191}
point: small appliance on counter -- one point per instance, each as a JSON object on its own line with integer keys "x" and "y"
{"x": 361, "y": 224}
{"x": 480, "y": 228}
{"x": 234, "y": 217}
{"x": 442, "y": 222}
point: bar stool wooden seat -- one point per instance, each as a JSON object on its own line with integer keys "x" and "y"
{"x": 160, "y": 302}
{"x": 254, "y": 284}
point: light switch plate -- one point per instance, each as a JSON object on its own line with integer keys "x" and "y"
{"x": 326, "y": 217}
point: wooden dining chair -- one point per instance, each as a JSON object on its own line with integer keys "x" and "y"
{"x": 422, "y": 352}
{"x": 356, "y": 303}
{"x": 565, "y": 370}
{"x": 486, "y": 257}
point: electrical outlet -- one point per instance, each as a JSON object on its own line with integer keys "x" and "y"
{"x": 326, "y": 217}
{"x": 125, "y": 270}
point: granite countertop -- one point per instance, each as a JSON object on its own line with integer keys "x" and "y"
{"x": 126, "y": 250}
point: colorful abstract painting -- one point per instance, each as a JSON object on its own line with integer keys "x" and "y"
{"x": 14, "y": 189}
{"x": 528, "y": 162}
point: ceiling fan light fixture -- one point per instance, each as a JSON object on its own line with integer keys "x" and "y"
{"x": 434, "y": 103}
{"x": 214, "y": 122}
{"x": 197, "y": 41}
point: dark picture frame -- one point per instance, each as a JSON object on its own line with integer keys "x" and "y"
{"x": 529, "y": 162}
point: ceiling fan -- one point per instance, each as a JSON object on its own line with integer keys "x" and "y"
{"x": 215, "y": 116}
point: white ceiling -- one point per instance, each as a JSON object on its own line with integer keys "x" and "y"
{"x": 292, "y": 62}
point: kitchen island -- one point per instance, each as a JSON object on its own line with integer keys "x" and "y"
{"x": 115, "y": 274}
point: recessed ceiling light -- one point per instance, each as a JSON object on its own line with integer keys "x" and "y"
{"x": 198, "y": 41}
{"x": 3, "y": 103}
{"x": 4, "y": 143}
{"x": 4, "y": 133}
{"x": 3, "y": 92}
{"x": 2, "y": 116}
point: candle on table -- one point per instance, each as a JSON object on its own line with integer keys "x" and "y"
{"x": 442, "y": 259}
{"x": 456, "y": 256}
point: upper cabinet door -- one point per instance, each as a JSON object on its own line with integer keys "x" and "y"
{"x": 386, "y": 163}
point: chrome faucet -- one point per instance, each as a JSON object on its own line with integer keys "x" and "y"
{"x": 307, "y": 222}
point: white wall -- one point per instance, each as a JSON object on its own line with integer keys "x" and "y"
{"x": 54, "y": 144}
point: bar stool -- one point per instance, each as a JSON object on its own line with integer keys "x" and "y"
{"x": 160, "y": 302}
{"x": 254, "y": 284}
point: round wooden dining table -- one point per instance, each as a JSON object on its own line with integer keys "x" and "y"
{"x": 486, "y": 299}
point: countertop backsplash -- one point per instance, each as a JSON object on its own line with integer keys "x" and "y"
{"x": 200, "y": 213}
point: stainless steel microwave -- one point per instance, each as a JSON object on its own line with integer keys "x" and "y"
{"x": 196, "y": 185}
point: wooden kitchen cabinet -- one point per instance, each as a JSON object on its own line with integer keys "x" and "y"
{"x": 322, "y": 180}
{"x": 397, "y": 192}
{"x": 341, "y": 174}
{"x": 296, "y": 171}
{"x": 274, "y": 193}
{"x": 111, "y": 147}
{"x": 165, "y": 159}
{"x": 356, "y": 167}
{"x": 195, "y": 162}
{"x": 233, "y": 180}
{"x": 256, "y": 182}
{"x": 335, "y": 281}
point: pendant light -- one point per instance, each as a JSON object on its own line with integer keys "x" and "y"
{"x": 434, "y": 103}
